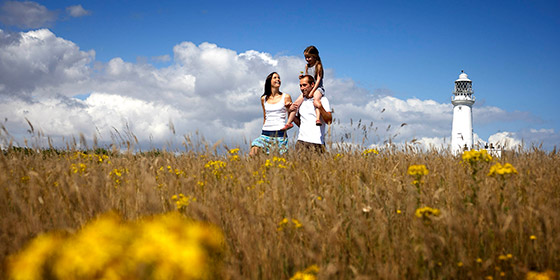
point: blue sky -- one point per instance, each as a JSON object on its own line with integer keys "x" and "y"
{"x": 402, "y": 49}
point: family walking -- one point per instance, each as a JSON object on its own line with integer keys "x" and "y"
{"x": 311, "y": 111}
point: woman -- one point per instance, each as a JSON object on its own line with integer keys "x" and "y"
{"x": 274, "y": 104}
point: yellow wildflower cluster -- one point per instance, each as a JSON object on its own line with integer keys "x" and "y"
{"x": 216, "y": 167}
{"x": 309, "y": 273}
{"x": 233, "y": 154}
{"x": 182, "y": 201}
{"x": 279, "y": 162}
{"x": 117, "y": 175}
{"x": 370, "y": 151}
{"x": 162, "y": 247}
{"x": 546, "y": 275}
{"x": 474, "y": 156}
{"x": 498, "y": 169}
{"x": 426, "y": 212}
{"x": 417, "y": 170}
{"x": 287, "y": 222}
{"x": 337, "y": 157}
{"x": 260, "y": 175}
{"x": 91, "y": 157}
{"x": 505, "y": 257}
{"x": 78, "y": 168}
{"x": 175, "y": 171}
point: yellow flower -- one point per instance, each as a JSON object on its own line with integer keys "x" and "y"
{"x": 233, "y": 154}
{"x": 182, "y": 201}
{"x": 78, "y": 168}
{"x": 533, "y": 237}
{"x": 297, "y": 224}
{"x": 216, "y": 167}
{"x": 417, "y": 170}
{"x": 460, "y": 264}
{"x": 309, "y": 273}
{"x": 32, "y": 261}
{"x": 279, "y": 162}
{"x": 370, "y": 151}
{"x": 426, "y": 212}
{"x": 498, "y": 169}
{"x": 479, "y": 260}
{"x": 161, "y": 247}
{"x": 546, "y": 275}
{"x": 474, "y": 156}
{"x": 285, "y": 222}
{"x": 337, "y": 157}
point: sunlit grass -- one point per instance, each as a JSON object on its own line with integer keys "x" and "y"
{"x": 347, "y": 214}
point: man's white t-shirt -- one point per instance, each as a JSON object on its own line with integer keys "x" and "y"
{"x": 308, "y": 130}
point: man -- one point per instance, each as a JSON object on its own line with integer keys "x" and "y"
{"x": 311, "y": 136}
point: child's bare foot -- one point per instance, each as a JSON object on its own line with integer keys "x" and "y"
{"x": 287, "y": 126}
{"x": 318, "y": 123}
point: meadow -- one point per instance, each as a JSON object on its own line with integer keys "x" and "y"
{"x": 395, "y": 213}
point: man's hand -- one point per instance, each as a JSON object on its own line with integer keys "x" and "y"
{"x": 293, "y": 107}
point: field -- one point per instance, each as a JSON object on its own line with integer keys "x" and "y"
{"x": 347, "y": 214}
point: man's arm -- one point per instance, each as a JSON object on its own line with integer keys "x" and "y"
{"x": 297, "y": 120}
{"x": 327, "y": 116}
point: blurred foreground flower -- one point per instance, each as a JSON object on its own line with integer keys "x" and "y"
{"x": 417, "y": 170}
{"x": 547, "y": 275}
{"x": 161, "y": 247}
{"x": 309, "y": 273}
{"x": 498, "y": 169}
{"x": 426, "y": 212}
{"x": 473, "y": 156}
{"x": 370, "y": 151}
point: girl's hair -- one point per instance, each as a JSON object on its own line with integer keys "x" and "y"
{"x": 312, "y": 50}
{"x": 268, "y": 85}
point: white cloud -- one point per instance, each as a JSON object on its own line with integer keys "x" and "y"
{"x": 26, "y": 14}
{"x": 38, "y": 62}
{"x": 77, "y": 11}
{"x": 506, "y": 140}
{"x": 161, "y": 58}
{"x": 206, "y": 89}
{"x": 542, "y": 130}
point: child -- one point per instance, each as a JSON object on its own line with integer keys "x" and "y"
{"x": 314, "y": 68}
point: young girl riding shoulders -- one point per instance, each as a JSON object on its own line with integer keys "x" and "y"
{"x": 314, "y": 68}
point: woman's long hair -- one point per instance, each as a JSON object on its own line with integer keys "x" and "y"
{"x": 268, "y": 86}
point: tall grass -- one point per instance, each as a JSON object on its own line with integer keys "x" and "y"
{"x": 350, "y": 213}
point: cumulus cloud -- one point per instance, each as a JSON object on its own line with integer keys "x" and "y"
{"x": 506, "y": 140}
{"x": 206, "y": 90}
{"x": 26, "y": 14}
{"x": 77, "y": 11}
{"x": 37, "y": 62}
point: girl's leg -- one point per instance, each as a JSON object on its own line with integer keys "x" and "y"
{"x": 292, "y": 112}
{"x": 291, "y": 117}
{"x": 317, "y": 103}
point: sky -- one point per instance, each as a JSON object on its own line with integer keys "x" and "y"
{"x": 174, "y": 73}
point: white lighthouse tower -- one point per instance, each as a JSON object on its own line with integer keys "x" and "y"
{"x": 462, "y": 100}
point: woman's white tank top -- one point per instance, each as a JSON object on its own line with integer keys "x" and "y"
{"x": 275, "y": 115}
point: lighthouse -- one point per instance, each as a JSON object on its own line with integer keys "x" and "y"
{"x": 462, "y": 129}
